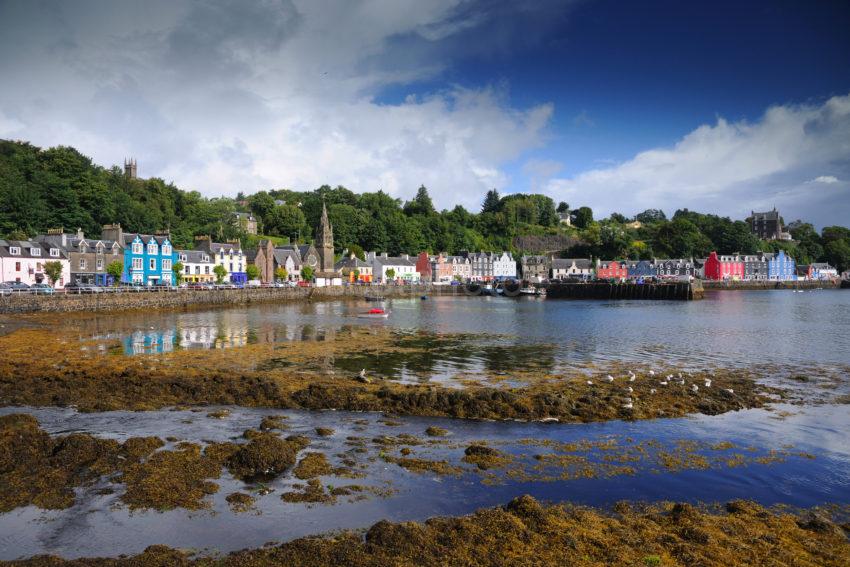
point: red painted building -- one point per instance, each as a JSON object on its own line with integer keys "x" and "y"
{"x": 725, "y": 267}
{"x": 423, "y": 266}
{"x": 613, "y": 269}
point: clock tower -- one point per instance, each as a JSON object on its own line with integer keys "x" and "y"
{"x": 325, "y": 243}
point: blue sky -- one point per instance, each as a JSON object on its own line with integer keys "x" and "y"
{"x": 718, "y": 106}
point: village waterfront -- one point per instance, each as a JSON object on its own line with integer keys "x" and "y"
{"x": 766, "y": 422}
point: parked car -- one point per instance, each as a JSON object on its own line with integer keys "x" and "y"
{"x": 78, "y": 287}
{"x": 18, "y": 286}
{"x": 42, "y": 289}
{"x": 5, "y": 289}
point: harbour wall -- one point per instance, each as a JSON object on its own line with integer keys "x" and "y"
{"x": 681, "y": 291}
{"x": 123, "y": 301}
{"x": 763, "y": 285}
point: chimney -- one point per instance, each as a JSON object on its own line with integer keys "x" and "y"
{"x": 405, "y": 256}
{"x": 113, "y": 232}
{"x": 80, "y": 234}
{"x": 383, "y": 254}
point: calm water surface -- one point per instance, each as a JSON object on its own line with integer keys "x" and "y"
{"x": 728, "y": 328}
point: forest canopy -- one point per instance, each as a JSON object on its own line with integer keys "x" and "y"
{"x": 60, "y": 187}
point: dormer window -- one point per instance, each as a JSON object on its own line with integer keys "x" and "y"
{"x": 152, "y": 248}
{"x": 54, "y": 252}
{"x": 137, "y": 248}
{"x": 82, "y": 248}
{"x": 166, "y": 250}
{"x": 14, "y": 250}
{"x": 35, "y": 251}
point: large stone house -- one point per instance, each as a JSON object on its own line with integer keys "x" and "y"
{"x": 676, "y": 267}
{"x": 246, "y": 222}
{"x": 535, "y": 268}
{"x": 88, "y": 258}
{"x": 768, "y": 225}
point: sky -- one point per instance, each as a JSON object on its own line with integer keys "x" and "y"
{"x": 719, "y": 106}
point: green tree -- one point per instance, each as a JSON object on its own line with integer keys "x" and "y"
{"x": 116, "y": 270}
{"x": 650, "y": 216}
{"x": 356, "y": 274}
{"x": 390, "y": 274}
{"x": 307, "y": 273}
{"x": 220, "y": 272}
{"x": 492, "y": 202}
{"x": 53, "y": 271}
{"x": 563, "y": 207}
{"x": 582, "y": 217}
{"x": 421, "y": 204}
{"x": 177, "y": 268}
{"x": 280, "y": 273}
{"x": 253, "y": 272}
{"x": 286, "y": 220}
{"x": 837, "y": 253}
{"x": 261, "y": 204}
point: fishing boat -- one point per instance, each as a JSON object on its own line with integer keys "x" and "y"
{"x": 376, "y": 313}
{"x": 531, "y": 291}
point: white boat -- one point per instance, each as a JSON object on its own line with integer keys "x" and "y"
{"x": 531, "y": 291}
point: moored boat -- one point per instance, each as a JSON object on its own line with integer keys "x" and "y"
{"x": 376, "y": 313}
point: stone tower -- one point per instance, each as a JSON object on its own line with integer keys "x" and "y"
{"x": 325, "y": 242}
{"x": 130, "y": 168}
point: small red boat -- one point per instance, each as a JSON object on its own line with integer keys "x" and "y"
{"x": 376, "y": 313}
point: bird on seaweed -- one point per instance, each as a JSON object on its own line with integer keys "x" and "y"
{"x": 652, "y": 390}
{"x": 363, "y": 373}
{"x": 609, "y": 378}
{"x": 695, "y": 388}
{"x": 708, "y": 382}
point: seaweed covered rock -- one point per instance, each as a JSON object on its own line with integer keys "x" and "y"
{"x": 171, "y": 479}
{"x": 265, "y": 456}
{"x": 312, "y": 465}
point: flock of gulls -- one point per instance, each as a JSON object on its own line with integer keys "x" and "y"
{"x": 628, "y": 403}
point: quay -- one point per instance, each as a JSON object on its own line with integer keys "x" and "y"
{"x": 682, "y": 291}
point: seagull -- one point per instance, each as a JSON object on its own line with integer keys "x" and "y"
{"x": 695, "y": 388}
{"x": 669, "y": 376}
{"x": 663, "y": 382}
{"x": 590, "y": 382}
{"x": 632, "y": 378}
{"x": 730, "y": 390}
{"x": 708, "y": 383}
{"x": 627, "y": 400}
{"x": 629, "y": 389}
{"x": 363, "y": 373}
{"x": 609, "y": 378}
{"x": 628, "y": 406}
{"x": 652, "y": 390}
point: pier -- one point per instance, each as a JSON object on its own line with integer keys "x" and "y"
{"x": 681, "y": 291}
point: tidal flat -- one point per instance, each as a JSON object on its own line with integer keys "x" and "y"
{"x": 117, "y": 438}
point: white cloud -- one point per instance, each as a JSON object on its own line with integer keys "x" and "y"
{"x": 221, "y": 96}
{"x": 732, "y": 168}
{"x": 828, "y": 179}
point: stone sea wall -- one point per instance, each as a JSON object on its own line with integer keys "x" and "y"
{"x": 60, "y": 303}
{"x": 762, "y": 285}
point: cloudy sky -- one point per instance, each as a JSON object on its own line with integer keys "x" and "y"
{"x": 715, "y": 106}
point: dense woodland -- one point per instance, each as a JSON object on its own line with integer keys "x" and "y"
{"x": 59, "y": 187}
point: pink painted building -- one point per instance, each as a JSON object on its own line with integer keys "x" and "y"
{"x": 23, "y": 261}
{"x": 724, "y": 267}
{"x": 442, "y": 269}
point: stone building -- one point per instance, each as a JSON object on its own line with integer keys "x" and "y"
{"x": 325, "y": 246}
{"x": 88, "y": 257}
{"x": 535, "y": 268}
{"x": 768, "y": 225}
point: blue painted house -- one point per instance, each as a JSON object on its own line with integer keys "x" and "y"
{"x": 148, "y": 259}
{"x": 781, "y": 267}
{"x": 642, "y": 269}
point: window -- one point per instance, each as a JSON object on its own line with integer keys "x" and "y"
{"x": 189, "y": 269}
{"x": 206, "y": 269}
{"x": 152, "y": 248}
{"x": 153, "y": 264}
{"x": 166, "y": 265}
{"x": 137, "y": 263}
{"x": 100, "y": 264}
{"x": 38, "y": 267}
{"x": 35, "y": 251}
{"x": 166, "y": 250}
{"x": 14, "y": 251}
{"x": 114, "y": 250}
{"x": 54, "y": 252}
{"x": 17, "y": 266}
{"x": 137, "y": 248}
{"x": 82, "y": 263}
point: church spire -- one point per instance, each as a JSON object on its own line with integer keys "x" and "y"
{"x": 325, "y": 240}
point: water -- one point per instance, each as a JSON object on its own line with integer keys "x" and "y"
{"x": 100, "y": 525}
{"x": 806, "y": 332}
{"x": 728, "y": 328}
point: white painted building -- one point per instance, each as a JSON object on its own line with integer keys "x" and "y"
{"x": 404, "y": 269}
{"x": 23, "y": 261}
{"x": 504, "y": 266}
